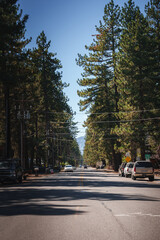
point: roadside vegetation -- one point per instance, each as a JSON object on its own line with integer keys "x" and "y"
{"x": 121, "y": 85}
{"x": 36, "y": 122}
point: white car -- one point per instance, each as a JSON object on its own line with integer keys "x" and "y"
{"x": 128, "y": 169}
{"x": 143, "y": 169}
{"x": 68, "y": 168}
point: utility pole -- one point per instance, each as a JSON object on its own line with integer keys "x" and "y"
{"x": 22, "y": 115}
{"x": 7, "y": 125}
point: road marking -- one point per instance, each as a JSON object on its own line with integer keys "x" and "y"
{"x": 136, "y": 214}
{"x": 80, "y": 182}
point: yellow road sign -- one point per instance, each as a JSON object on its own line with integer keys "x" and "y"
{"x": 128, "y": 159}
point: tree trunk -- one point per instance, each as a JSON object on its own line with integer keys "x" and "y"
{"x": 141, "y": 106}
{"x": 142, "y": 147}
{"x": 7, "y": 124}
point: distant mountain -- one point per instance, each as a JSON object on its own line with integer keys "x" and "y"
{"x": 81, "y": 143}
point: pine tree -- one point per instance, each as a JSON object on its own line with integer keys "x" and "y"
{"x": 12, "y": 43}
{"x": 134, "y": 84}
{"x": 153, "y": 17}
{"x": 100, "y": 67}
{"x": 52, "y": 107}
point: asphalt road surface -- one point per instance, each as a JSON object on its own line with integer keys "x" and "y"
{"x": 83, "y": 205}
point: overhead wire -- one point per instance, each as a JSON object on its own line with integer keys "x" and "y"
{"x": 127, "y": 111}
{"x": 131, "y": 120}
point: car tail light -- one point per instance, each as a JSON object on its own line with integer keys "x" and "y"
{"x": 134, "y": 169}
{"x": 127, "y": 169}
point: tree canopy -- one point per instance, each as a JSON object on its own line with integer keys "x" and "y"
{"x": 121, "y": 84}
{"x": 36, "y": 124}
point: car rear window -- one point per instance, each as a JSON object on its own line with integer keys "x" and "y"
{"x": 123, "y": 164}
{"x": 144, "y": 164}
{"x": 130, "y": 165}
{"x": 5, "y": 164}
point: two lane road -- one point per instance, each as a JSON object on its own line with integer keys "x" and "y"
{"x": 83, "y": 205}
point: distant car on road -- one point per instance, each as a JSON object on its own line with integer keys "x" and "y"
{"x": 68, "y": 168}
{"x": 128, "y": 169}
{"x": 85, "y": 166}
{"x": 121, "y": 169}
{"x": 143, "y": 169}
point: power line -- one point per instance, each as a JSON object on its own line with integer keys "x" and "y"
{"x": 64, "y": 140}
{"x": 128, "y": 111}
{"x": 144, "y": 119}
{"x": 132, "y": 120}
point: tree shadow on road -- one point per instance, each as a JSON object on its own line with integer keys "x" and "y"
{"x": 39, "y": 209}
{"x": 41, "y": 196}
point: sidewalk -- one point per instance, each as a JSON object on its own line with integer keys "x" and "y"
{"x": 33, "y": 176}
{"x": 156, "y": 172}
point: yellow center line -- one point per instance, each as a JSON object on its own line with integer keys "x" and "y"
{"x": 81, "y": 182}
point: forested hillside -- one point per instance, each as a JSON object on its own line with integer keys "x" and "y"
{"x": 121, "y": 84}
{"x": 36, "y": 122}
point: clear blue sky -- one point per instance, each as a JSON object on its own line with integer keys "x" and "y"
{"x": 69, "y": 24}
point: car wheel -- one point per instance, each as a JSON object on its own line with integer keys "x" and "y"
{"x": 20, "y": 179}
{"x": 15, "y": 181}
{"x": 151, "y": 178}
{"x": 133, "y": 177}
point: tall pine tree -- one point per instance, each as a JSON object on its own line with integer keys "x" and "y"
{"x": 100, "y": 78}
{"x": 12, "y": 43}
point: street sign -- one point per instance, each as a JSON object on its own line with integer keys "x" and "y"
{"x": 128, "y": 159}
{"x": 147, "y": 156}
{"x": 128, "y": 156}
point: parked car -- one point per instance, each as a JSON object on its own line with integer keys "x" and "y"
{"x": 10, "y": 170}
{"x": 128, "y": 169}
{"x": 85, "y": 166}
{"x": 143, "y": 169}
{"x": 68, "y": 168}
{"x": 121, "y": 169}
{"x": 36, "y": 170}
{"x": 51, "y": 170}
{"x": 100, "y": 166}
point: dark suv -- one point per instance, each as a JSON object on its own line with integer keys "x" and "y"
{"x": 10, "y": 170}
{"x": 121, "y": 169}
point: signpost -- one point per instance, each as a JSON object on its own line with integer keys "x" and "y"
{"x": 128, "y": 157}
